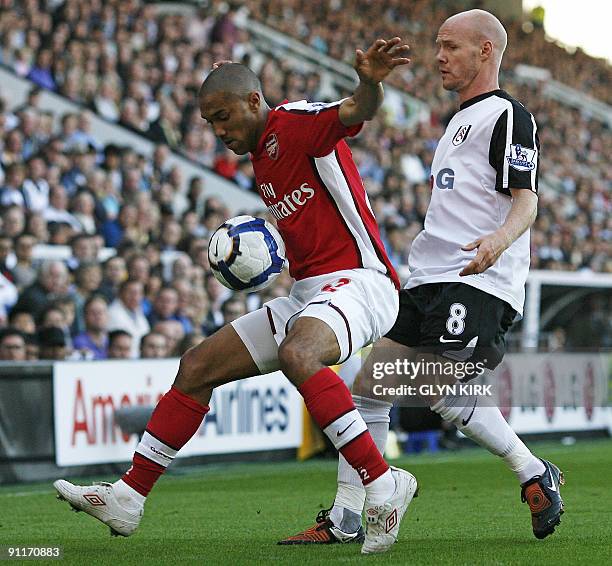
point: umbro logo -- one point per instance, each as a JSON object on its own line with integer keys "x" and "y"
{"x": 94, "y": 499}
{"x": 391, "y": 521}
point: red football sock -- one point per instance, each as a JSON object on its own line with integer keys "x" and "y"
{"x": 174, "y": 421}
{"x": 330, "y": 403}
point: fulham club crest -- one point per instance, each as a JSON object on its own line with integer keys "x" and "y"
{"x": 272, "y": 146}
{"x": 461, "y": 135}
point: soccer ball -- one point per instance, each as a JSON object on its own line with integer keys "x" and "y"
{"x": 246, "y": 253}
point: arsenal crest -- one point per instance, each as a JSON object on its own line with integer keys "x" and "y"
{"x": 461, "y": 134}
{"x": 272, "y": 146}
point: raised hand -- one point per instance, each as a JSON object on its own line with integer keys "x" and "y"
{"x": 374, "y": 65}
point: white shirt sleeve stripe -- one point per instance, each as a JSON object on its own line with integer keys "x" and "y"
{"x": 509, "y": 126}
{"x": 535, "y": 169}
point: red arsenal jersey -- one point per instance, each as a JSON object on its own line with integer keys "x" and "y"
{"x": 307, "y": 178}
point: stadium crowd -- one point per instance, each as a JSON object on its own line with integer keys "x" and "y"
{"x": 123, "y": 61}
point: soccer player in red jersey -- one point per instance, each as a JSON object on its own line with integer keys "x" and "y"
{"x": 345, "y": 295}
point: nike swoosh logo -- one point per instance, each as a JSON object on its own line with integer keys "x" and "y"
{"x": 553, "y": 486}
{"x": 445, "y": 341}
{"x": 464, "y": 422}
{"x": 340, "y": 433}
{"x": 464, "y": 354}
{"x": 217, "y": 248}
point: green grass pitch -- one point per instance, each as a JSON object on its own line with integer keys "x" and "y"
{"x": 468, "y": 512}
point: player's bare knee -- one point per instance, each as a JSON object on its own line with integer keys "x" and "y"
{"x": 194, "y": 374}
{"x": 294, "y": 358}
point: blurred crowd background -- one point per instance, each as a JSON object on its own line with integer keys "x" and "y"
{"x": 123, "y": 61}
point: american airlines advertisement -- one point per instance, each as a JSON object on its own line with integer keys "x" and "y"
{"x": 260, "y": 413}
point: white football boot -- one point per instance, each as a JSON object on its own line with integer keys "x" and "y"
{"x": 121, "y": 514}
{"x": 383, "y": 521}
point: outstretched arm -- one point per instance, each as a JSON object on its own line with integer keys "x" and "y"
{"x": 490, "y": 247}
{"x": 373, "y": 67}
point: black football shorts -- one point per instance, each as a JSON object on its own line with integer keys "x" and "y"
{"x": 453, "y": 320}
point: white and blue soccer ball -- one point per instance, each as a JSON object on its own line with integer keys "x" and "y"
{"x": 246, "y": 253}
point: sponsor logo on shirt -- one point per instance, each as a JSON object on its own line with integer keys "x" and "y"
{"x": 272, "y": 146}
{"x": 290, "y": 203}
{"x": 445, "y": 179}
{"x": 521, "y": 158}
{"x": 267, "y": 190}
{"x": 462, "y": 134}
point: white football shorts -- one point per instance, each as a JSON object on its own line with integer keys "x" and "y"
{"x": 359, "y": 305}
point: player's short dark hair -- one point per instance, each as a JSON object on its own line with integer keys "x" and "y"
{"x": 230, "y": 78}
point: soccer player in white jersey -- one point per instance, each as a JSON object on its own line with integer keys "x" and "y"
{"x": 308, "y": 180}
{"x": 468, "y": 269}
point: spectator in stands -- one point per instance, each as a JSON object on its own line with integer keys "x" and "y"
{"x": 37, "y": 226}
{"x": 40, "y": 73}
{"x": 174, "y": 333}
{"x": 94, "y": 339}
{"x": 36, "y": 186}
{"x": 12, "y": 191}
{"x": 32, "y": 101}
{"x": 125, "y": 312}
{"x": 24, "y": 270}
{"x": 106, "y": 101}
{"x": 28, "y": 126}
{"x": 52, "y": 344}
{"x": 57, "y": 211}
{"x": 124, "y": 227}
{"x": 52, "y": 315}
{"x": 197, "y": 310}
{"x": 22, "y": 321}
{"x": 114, "y": 273}
{"x": 52, "y": 283}
{"x": 165, "y": 307}
{"x": 165, "y": 129}
{"x": 87, "y": 280}
{"x": 195, "y": 195}
{"x": 153, "y": 345}
{"x": 13, "y": 221}
{"x": 12, "y": 345}
{"x": 6, "y": 257}
{"x": 83, "y": 250}
{"x": 32, "y": 347}
{"x": 233, "y": 308}
{"x": 83, "y": 207}
{"x": 120, "y": 345}
{"x": 12, "y": 152}
{"x": 217, "y": 295}
{"x": 171, "y": 235}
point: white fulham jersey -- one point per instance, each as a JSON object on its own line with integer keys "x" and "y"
{"x": 490, "y": 146}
